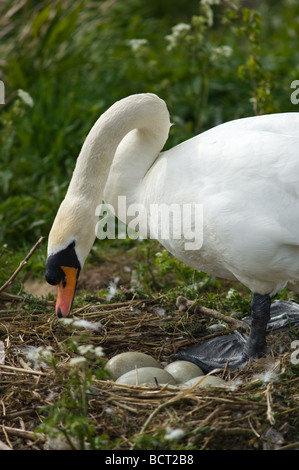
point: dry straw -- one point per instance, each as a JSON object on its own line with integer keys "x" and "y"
{"x": 237, "y": 417}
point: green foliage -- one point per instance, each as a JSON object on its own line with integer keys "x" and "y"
{"x": 69, "y": 415}
{"x": 211, "y": 61}
{"x": 261, "y": 81}
{"x": 166, "y": 263}
{"x": 157, "y": 268}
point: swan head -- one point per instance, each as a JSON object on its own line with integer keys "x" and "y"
{"x": 63, "y": 269}
{"x": 70, "y": 240}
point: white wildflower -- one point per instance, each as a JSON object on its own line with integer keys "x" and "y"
{"x": 231, "y": 293}
{"x": 89, "y": 349}
{"x": 26, "y": 98}
{"x": 137, "y": 44}
{"x": 180, "y": 28}
{"x": 220, "y": 53}
{"x": 77, "y": 361}
{"x": 99, "y": 351}
{"x": 211, "y": 2}
{"x": 176, "y": 34}
{"x": 85, "y": 349}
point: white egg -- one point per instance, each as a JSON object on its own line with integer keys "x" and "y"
{"x": 146, "y": 375}
{"x": 124, "y": 362}
{"x": 205, "y": 381}
{"x": 183, "y": 370}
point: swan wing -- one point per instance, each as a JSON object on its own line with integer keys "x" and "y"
{"x": 246, "y": 179}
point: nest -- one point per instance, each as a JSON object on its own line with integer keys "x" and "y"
{"x": 237, "y": 418}
{"x": 255, "y": 412}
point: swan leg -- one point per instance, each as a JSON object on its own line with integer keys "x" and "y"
{"x": 260, "y": 312}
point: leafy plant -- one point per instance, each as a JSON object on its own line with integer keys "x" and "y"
{"x": 73, "y": 59}
{"x": 261, "y": 81}
{"x": 69, "y": 415}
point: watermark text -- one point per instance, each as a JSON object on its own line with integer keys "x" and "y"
{"x": 295, "y": 95}
{"x": 2, "y": 92}
{"x": 182, "y": 222}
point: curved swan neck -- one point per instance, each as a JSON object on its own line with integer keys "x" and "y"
{"x": 147, "y": 117}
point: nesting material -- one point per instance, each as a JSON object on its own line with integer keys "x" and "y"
{"x": 232, "y": 417}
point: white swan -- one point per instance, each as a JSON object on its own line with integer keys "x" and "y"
{"x": 243, "y": 173}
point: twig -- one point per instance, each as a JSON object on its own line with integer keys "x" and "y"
{"x": 21, "y": 433}
{"x": 293, "y": 445}
{"x": 24, "y": 371}
{"x": 6, "y": 437}
{"x": 184, "y": 305}
{"x": 11, "y": 297}
{"x": 253, "y": 430}
{"x": 20, "y": 413}
{"x": 185, "y": 393}
{"x": 19, "y": 298}
{"x": 125, "y": 407}
{"x": 210, "y": 417}
{"x": 157, "y": 410}
{"x": 226, "y": 318}
{"x": 22, "y": 264}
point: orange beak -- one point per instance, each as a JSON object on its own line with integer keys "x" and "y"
{"x": 66, "y": 291}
